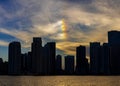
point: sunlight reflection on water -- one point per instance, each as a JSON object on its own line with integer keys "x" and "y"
{"x": 59, "y": 80}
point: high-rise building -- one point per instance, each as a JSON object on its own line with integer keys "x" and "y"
{"x": 95, "y": 57}
{"x": 58, "y": 64}
{"x": 24, "y": 63}
{"x": 1, "y": 66}
{"x": 69, "y": 65}
{"x": 37, "y": 56}
{"x": 29, "y": 63}
{"x": 50, "y": 53}
{"x": 14, "y": 58}
{"x": 114, "y": 37}
{"x": 114, "y": 44}
{"x": 105, "y": 59}
{"x": 115, "y": 59}
{"x": 82, "y": 66}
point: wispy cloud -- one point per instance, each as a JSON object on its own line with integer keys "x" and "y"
{"x": 69, "y": 47}
{"x": 3, "y": 43}
{"x": 86, "y": 20}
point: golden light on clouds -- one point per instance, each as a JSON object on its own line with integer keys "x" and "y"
{"x": 61, "y": 28}
{"x": 69, "y": 47}
{"x": 64, "y": 28}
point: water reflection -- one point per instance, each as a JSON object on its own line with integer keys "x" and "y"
{"x": 60, "y": 81}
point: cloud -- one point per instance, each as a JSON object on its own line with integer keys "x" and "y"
{"x": 3, "y": 43}
{"x": 51, "y": 32}
{"x": 69, "y": 47}
{"x": 86, "y": 20}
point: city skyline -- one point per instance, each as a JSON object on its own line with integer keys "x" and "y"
{"x": 87, "y": 50}
{"x": 42, "y": 60}
{"x": 66, "y": 22}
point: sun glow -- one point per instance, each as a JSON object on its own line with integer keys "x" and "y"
{"x": 64, "y": 28}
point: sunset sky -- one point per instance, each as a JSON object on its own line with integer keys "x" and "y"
{"x": 69, "y": 23}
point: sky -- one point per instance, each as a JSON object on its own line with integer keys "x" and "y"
{"x": 69, "y": 23}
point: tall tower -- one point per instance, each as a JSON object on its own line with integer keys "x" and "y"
{"x": 50, "y": 53}
{"x": 114, "y": 37}
{"x": 58, "y": 64}
{"x": 69, "y": 65}
{"x": 37, "y": 56}
{"x": 14, "y": 58}
{"x": 2, "y": 67}
{"x": 114, "y": 44}
{"x": 82, "y": 66}
{"x": 105, "y": 65}
{"x": 95, "y": 57}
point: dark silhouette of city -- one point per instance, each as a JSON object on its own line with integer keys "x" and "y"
{"x": 104, "y": 59}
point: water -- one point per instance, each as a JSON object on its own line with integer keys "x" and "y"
{"x": 59, "y": 80}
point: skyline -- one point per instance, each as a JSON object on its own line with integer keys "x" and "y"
{"x": 42, "y": 60}
{"x": 67, "y": 22}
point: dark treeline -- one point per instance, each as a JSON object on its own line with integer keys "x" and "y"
{"x": 104, "y": 59}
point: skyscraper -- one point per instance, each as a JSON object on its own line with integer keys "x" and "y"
{"x": 95, "y": 57}
{"x": 14, "y": 58}
{"x": 114, "y": 37}
{"x": 50, "y": 53}
{"x": 105, "y": 59}
{"x": 29, "y": 63}
{"x": 37, "y": 56}
{"x": 114, "y": 44}
{"x": 69, "y": 65}
{"x": 58, "y": 64}
{"x": 24, "y": 63}
{"x": 1, "y": 66}
{"x": 82, "y": 66}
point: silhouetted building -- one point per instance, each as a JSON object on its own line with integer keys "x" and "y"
{"x": 105, "y": 63}
{"x": 69, "y": 65}
{"x": 114, "y": 44}
{"x": 29, "y": 63}
{"x": 1, "y": 60}
{"x": 24, "y": 63}
{"x": 82, "y": 66}
{"x": 14, "y": 58}
{"x": 37, "y": 56}
{"x": 114, "y": 37}
{"x": 50, "y": 52}
{"x": 1, "y": 66}
{"x": 45, "y": 60}
{"x": 95, "y": 58}
{"x": 58, "y": 64}
{"x": 5, "y": 68}
{"x": 115, "y": 59}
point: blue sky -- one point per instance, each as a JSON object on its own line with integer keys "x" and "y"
{"x": 85, "y": 20}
